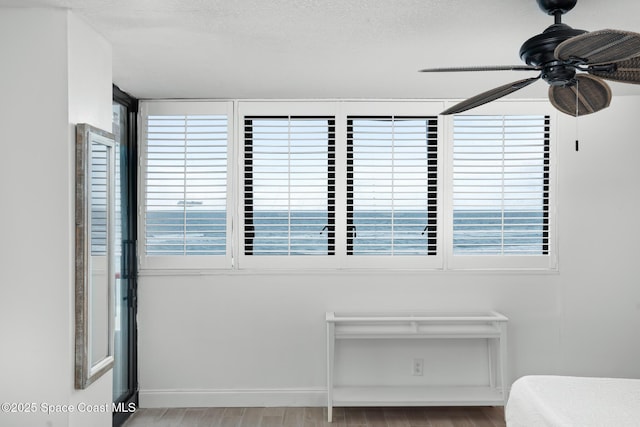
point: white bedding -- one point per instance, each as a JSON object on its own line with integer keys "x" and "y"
{"x": 559, "y": 401}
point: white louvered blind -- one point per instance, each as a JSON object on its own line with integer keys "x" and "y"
{"x": 99, "y": 195}
{"x": 501, "y": 185}
{"x": 289, "y": 185}
{"x": 185, "y": 184}
{"x": 392, "y": 186}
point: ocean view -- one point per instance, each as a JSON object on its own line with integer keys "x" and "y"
{"x": 202, "y": 232}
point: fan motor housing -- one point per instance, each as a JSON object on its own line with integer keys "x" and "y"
{"x": 552, "y": 7}
{"x": 538, "y": 50}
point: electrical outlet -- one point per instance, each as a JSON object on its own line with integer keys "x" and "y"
{"x": 418, "y": 365}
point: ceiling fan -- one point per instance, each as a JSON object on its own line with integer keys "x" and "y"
{"x": 574, "y": 63}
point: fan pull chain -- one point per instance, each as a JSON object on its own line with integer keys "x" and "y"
{"x": 577, "y": 113}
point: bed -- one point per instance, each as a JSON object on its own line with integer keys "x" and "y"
{"x": 560, "y": 401}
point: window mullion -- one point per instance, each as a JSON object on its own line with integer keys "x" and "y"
{"x": 185, "y": 139}
{"x": 289, "y": 186}
{"x": 341, "y": 183}
{"x": 393, "y": 185}
{"x": 502, "y": 187}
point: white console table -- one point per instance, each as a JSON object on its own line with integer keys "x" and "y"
{"x": 491, "y": 326}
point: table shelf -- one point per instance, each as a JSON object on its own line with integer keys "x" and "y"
{"x": 491, "y": 326}
{"x": 416, "y": 396}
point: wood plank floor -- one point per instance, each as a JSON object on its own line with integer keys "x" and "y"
{"x": 316, "y": 417}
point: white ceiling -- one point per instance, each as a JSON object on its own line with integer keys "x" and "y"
{"x": 325, "y": 48}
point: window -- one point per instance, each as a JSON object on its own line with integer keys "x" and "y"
{"x": 392, "y": 179}
{"x": 289, "y": 186}
{"x": 185, "y": 182}
{"x": 345, "y": 184}
{"x": 501, "y": 186}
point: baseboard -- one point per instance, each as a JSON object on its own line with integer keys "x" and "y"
{"x": 231, "y": 398}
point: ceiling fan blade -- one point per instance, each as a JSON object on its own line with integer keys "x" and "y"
{"x": 482, "y": 68}
{"x": 589, "y": 95}
{"x": 599, "y": 47}
{"x": 489, "y": 96}
{"x": 625, "y": 71}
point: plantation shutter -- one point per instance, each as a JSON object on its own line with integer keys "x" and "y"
{"x": 392, "y": 183}
{"x": 289, "y": 185}
{"x": 185, "y": 184}
{"x": 99, "y": 196}
{"x": 501, "y": 185}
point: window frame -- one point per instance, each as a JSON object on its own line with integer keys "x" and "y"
{"x": 256, "y": 169}
{"x": 444, "y": 260}
{"x": 412, "y": 108}
{"x": 255, "y": 109}
{"x": 185, "y": 262}
{"x": 546, "y": 262}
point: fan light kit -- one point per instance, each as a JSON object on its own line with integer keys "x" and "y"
{"x": 573, "y": 62}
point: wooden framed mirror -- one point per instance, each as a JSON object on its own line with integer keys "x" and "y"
{"x": 94, "y": 244}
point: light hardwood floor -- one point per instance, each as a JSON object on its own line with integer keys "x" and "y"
{"x": 316, "y": 417}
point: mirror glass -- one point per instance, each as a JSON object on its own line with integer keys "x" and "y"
{"x": 99, "y": 262}
{"x": 94, "y": 253}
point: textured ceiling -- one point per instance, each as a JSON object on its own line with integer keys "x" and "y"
{"x": 325, "y": 48}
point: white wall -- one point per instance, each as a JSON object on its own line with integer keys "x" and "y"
{"x": 259, "y": 339}
{"x": 90, "y": 100}
{"x": 42, "y": 81}
{"x": 599, "y": 284}
{"x": 35, "y": 302}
